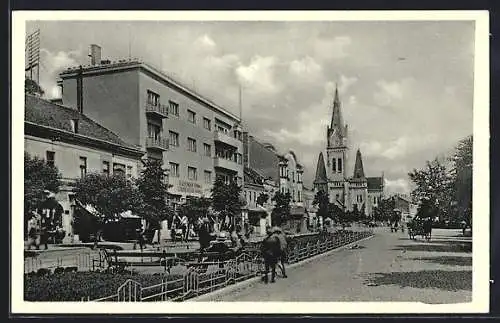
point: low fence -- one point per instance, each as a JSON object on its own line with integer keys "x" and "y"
{"x": 82, "y": 262}
{"x": 208, "y": 277}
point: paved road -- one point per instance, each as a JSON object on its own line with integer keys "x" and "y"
{"x": 387, "y": 267}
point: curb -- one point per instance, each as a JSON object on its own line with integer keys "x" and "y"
{"x": 208, "y": 296}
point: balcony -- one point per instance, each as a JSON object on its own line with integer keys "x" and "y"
{"x": 158, "y": 110}
{"x": 157, "y": 143}
{"x": 227, "y": 164}
{"x": 222, "y": 137}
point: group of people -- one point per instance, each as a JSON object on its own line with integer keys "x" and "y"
{"x": 42, "y": 228}
{"x": 274, "y": 252}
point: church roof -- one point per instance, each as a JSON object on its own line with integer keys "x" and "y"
{"x": 358, "y": 166}
{"x": 375, "y": 183}
{"x": 320, "y": 177}
{"x": 337, "y": 121}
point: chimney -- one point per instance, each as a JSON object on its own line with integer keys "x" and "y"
{"x": 79, "y": 90}
{"x": 95, "y": 54}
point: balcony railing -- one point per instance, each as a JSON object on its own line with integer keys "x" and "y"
{"x": 229, "y": 164}
{"x": 220, "y": 136}
{"x": 157, "y": 143}
{"x": 159, "y": 110}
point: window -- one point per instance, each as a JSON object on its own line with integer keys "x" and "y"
{"x": 207, "y": 124}
{"x": 173, "y": 138}
{"x": 83, "y": 166}
{"x": 173, "y": 108}
{"x": 129, "y": 171}
{"x": 192, "y": 175}
{"x": 208, "y": 177}
{"x": 50, "y": 156}
{"x": 105, "y": 167}
{"x": 340, "y": 165}
{"x": 74, "y": 125}
{"x": 337, "y": 196}
{"x": 298, "y": 196}
{"x": 191, "y": 145}
{"x": 222, "y": 129}
{"x": 119, "y": 169}
{"x": 154, "y": 131}
{"x": 192, "y": 116}
{"x": 153, "y": 98}
{"x": 174, "y": 170}
{"x": 207, "y": 149}
{"x": 293, "y": 177}
{"x": 334, "y": 165}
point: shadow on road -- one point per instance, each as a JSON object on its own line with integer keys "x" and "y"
{"x": 447, "y": 260}
{"x": 441, "y": 246}
{"x": 440, "y": 279}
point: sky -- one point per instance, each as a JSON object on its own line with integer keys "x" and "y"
{"x": 406, "y": 87}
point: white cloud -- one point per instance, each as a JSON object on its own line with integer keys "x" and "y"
{"x": 259, "y": 74}
{"x": 221, "y": 62}
{"x": 306, "y": 69}
{"x": 395, "y": 149}
{"x": 334, "y": 48}
{"x": 391, "y": 92}
{"x": 52, "y": 64}
{"x": 352, "y": 100}
{"x": 400, "y": 185}
{"x": 205, "y": 43}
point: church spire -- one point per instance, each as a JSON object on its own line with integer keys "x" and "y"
{"x": 337, "y": 121}
{"x": 358, "y": 166}
{"x": 320, "y": 179}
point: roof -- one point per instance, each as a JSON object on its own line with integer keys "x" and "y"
{"x": 48, "y": 114}
{"x": 375, "y": 183}
{"x": 358, "y": 167}
{"x": 320, "y": 177}
{"x": 136, "y": 63}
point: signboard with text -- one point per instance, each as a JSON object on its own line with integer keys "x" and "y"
{"x": 189, "y": 187}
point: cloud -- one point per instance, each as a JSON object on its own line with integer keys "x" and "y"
{"x": 306, "y": 69}
{"x": 346, "y": 83}
{"x": 205, "y": 43}
{"x": 335, "y": 48}
{"x": 258, "y": 76}
{"x": 400, "y": 185}
{"x": 352, "y": 100}
{"x": 399, "y": 147}
{"x": 392, "y": 92}
{"x": 52, "y": 64}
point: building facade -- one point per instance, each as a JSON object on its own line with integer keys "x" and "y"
{"x": 195, "y": 138}
{"x": 349, "y": 192}
{"x": 76, "y": 145}
{"x": 284, "y": 170}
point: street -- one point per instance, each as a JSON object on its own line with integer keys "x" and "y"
{"x": 387, "y": 267}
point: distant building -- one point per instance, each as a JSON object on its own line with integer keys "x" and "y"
{"x": 348, "y": 192}
{"x": 404, "y": 205}
{"x": 196, "y": 139}
{"x": 77, "y": 145}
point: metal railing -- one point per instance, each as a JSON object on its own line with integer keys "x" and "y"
{"x": 82, "y": 261}
{"x": 158, "y": 143}
{"x": 159, "y": 109}
{"x": 205, "y": 277}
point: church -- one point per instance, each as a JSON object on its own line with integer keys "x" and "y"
{"x": 348, "y": 192}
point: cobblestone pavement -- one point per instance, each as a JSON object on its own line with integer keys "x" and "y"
{"x": 388, "y": 267}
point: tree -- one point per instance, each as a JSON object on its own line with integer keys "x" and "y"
{"x": 262, "y": 199}
{"x": 32, "y": 87}
{"x": 153, "y": 190}
{"x": 38, "y": 177}
{"x": 384, "y": 210}
{"x": 281, "y": 211}
{"x": 226, "y": 199}
{"x": 337, "y": 214}
{"x": 434, "y": 184}
{"x": 462, "y": 178}
{"x": 322, "y": 202}
{"x": 108, "y": 195}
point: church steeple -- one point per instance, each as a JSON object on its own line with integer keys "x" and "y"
{"x": 358, "y": 166}
{"x": 337, "y": 121}
{"x": 320, "y": 180}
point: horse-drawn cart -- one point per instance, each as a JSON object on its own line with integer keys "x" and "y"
{"x": 419, "y": 227}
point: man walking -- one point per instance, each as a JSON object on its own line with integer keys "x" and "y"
{"x": 283, "y": 249}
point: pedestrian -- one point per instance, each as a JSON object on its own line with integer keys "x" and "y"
{"x": 184, "y": 227}
{"x": 270, "y": 249}
{"x": 283, "y": 250}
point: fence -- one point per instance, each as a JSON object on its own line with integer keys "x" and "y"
{"x": 82, "y": 261}
{"x": 207, "y": 277}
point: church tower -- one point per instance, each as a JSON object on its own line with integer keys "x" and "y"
{"x": 337, "y": 152}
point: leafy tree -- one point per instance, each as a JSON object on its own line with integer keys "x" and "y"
{"x": 226, "y": 198}
{"x": 337, "y": 214}
{"x": 262, "y": 199}
{"x": 434, "y": 184}
{"x": 384, "y": 210}
{"x": 322, "y": 202}
{"x": 32, "y": 87}
{"x": 109, "y": 195}
{"x": 281, "y": 211}
{"x": 153, "y": 189}
{"x": 462, "y": 178}
{"x": 38, "y": 177}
